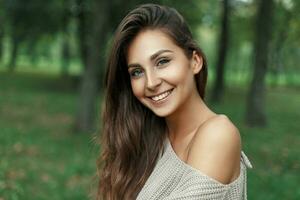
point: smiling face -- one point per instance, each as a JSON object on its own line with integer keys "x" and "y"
{"x": 162, "y": 76}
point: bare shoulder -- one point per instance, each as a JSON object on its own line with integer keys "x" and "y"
{"x": 216, "y": 149}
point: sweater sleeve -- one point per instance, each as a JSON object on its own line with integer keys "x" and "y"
{"x": 193, "y": 186}
{"x": 172, "y": 179}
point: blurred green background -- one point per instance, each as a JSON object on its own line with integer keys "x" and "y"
{"x": 52, "y": 57}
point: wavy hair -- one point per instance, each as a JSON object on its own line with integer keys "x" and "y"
{"x": 132, "y": 135}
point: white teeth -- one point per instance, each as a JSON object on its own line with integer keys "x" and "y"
{"x": 161, "y": 96}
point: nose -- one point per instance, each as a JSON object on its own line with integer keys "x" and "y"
{"x": 153, "y": 81}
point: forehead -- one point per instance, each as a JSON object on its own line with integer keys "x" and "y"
{"x": 148, "y": 42}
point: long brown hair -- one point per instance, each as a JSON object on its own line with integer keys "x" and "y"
{"x": 132, "y": 135}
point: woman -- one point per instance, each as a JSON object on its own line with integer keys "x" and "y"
{"x": 160, "y": 140}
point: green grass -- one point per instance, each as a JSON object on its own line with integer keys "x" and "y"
{"x": 42, "y": 158}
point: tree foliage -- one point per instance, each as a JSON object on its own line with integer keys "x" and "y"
{"x": 26, "y": 25}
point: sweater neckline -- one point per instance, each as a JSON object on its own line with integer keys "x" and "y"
{"x": 170, "y": 149}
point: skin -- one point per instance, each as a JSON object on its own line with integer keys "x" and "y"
{"x": 201, "y": 138}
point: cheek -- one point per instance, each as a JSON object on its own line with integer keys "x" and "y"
{"x": 137, "y": 88}
{"x": 178, "y": 74}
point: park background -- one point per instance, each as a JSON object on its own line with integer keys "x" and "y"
{"x": 52, "y": 62}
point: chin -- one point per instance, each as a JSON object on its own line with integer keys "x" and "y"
{"x": 161, "y": 113}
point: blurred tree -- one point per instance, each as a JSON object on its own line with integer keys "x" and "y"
{"x": 277, "y": 66}
{"x": 94, "y": 38}
{"x": 65, "y": 49}
{"x": 1, "y": 43}
{"x": 82, "y": 12}
{"x": 1, "y": 29}
{"x": 1, "y": 38}
{"x": 291, "y": 49}
{"x": 30, "y": 20}
{"x": 283, "y": 17}
{"x": 193, "y": 11}
{"x": 17, "y": 37}
{"x": 255, "y": 113}
{"x": 242, "y": 14}
{"x": 219, "y": 85}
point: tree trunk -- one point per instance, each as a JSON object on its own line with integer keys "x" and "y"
{"x": 31, "y": 51}
{"x": 65, "y": 56}
{"x": 89, "y": 83}
{"x": 1, "y": 35}
{"x": 65, "y": 49}
{"x": 277, "y": 63}
{"x": 82, "y": 30}
{"x": 14, "y": 52}
{"x": 1, "y": 40}
{"x": 255, "y": 112}
{"x": 218, "y": 88}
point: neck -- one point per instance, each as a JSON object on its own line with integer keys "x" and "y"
{"x": 187, "y": 118}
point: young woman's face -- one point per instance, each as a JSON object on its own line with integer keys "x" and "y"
{"x": 162, "y": 77}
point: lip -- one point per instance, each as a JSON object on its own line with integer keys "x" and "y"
{"x": 162, "y": 100}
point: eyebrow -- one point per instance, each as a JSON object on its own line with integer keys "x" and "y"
{"x": 152, "y": 57}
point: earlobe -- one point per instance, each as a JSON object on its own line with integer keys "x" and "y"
{"x": 197, "y": 62}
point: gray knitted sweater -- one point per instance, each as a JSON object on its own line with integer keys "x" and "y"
{"x": 173, "y": 179}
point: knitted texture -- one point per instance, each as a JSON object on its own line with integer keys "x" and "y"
{"x": 173, "y": 179}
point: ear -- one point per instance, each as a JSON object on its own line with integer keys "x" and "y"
{"x": 197, "y": 62}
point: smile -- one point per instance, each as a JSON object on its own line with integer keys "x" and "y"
{"x": 161, "y": 96}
